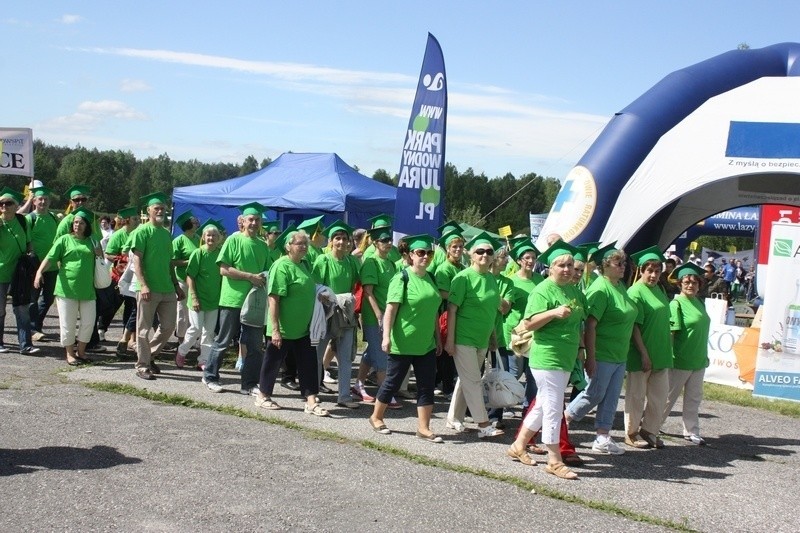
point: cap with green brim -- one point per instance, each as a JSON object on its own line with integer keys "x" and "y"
{"x": 483, "y": 238}
{"x": 687, "y": 269}
{"x": 285, "y": 236}
{"x": 589, "y": 248}
{"x": 604, "y": 251}
{"x": 128, "y": 212}
{"x": 8, "y": 192}
{"x": 418, "y": 242}
{"x": 41, "y": 191}
{"x": 652, "y": 253}
{"x": 78, "y": 190}
{"x": 337, "y": 225}
{"x": 253, "y": 208}
{"x": 450, "y": 237}
{"x": 521, "y": 247}
{"x": 449, "y": 227}
{"x": 556, "y": 250}
{"x": 183, "y": 218}
{"x": 271, "y": 226}
{"x": 210, "y": 223}
{"x": 85, "y": 214}
{"x": 582, "y": 253}
{"x": 310, "y": 225}
{"x": 380, "y": 221}
{"x": 377, "y": 234}
{"x": 153, "y": 198}
{"x": 513, "y": 241}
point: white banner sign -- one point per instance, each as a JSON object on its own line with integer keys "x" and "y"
{"x": 16, "y": 145}
{"x": 723, "y": 364}
{"x": 778, "y": 361}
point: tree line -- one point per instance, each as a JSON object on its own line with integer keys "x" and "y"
{"x": 118, "y": 179}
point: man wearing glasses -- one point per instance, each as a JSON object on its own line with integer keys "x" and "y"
{"x": 15, "y": 242}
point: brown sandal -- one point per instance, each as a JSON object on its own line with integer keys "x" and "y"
{"x": 572, "y": 460}
{"x": 522, "y": 456}
{"x": 560, "y": 470}
{"x": 535, "y": 448}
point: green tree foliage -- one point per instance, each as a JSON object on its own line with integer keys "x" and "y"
{"x": 118, "y": 179}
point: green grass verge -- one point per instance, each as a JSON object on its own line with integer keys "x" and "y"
{"x": 745, "y": 398}
{"x": 524, "y": 484}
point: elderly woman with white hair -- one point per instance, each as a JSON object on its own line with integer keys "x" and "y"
{"x": 204, "y": 283}
{"x": 473, "y": 303}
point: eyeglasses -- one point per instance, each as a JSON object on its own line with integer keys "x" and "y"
{"x": 299, "y": 244}
{"x": 8, "y": 203}
{"x": 484, "y": 251}
{"x": 423, "y": 253}
{"x": 387, "y": 240}
{"x": 273, "y": 233}
{"x": 690, "y": 282}
{"x": 80, "y": 199}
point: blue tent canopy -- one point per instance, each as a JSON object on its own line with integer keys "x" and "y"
{"x": 294, "y": 186}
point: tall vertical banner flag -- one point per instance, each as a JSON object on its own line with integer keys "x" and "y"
{"x": 419, "y": 207}
{"x": 778, "y": 355}
{"x": 16, "y": 151}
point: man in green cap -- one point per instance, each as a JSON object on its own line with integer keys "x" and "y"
{"x": 182, "y": 247}
{"x": 339, "y": 270}
{"x": 158, "y": 289}
{"x": 43, "y": 225}
{"x": 117, "y": 252}
{"x": 243, "y": 261}
{"x": 15, "y": 242}
{"x": 272, "y": 229}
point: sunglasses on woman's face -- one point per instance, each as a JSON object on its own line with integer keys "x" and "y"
{"x": 8, "y": 203}
{"x": 484, "y": 251}
{"x": 423, "y": 253}
{"x": 387, "y": 240}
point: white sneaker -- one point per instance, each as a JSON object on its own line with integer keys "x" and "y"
{"x": 328, "y": 378}
{"x": 607, "y": 446}
{"x": 489, "y": 431}
{"x": 213, "y": 386}
{"x": 695, "y": 439}
{"x": 455, "y": 425}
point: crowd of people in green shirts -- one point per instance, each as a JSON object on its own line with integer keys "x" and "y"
{"x": 439, "y": 306}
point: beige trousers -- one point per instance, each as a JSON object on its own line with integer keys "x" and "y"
{"x": 163, "y": 304}
{"x": 691, "y": 383}
{"x": 645, "y": 400}
{"x": 468, "y": 391}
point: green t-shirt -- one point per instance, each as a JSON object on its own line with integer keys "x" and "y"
{"x": 43, "y": 233}
{"x": 555, "y": 345}
{"x": 690, "y": 324}
{"x": 439, "y": 257}
{"x": 295, "y": 286}
{"x": 520, "y": 290}
{"x": 274, "y": 254}
{"x": 75, "y": 280}
{"x": 204, "y": 271}
{"x": 116, "y": 243}
{"x": 312, "y": 254}
{"x": 504, "y": 288}
{"x": 182, "y": 248}
{"x": 445, "y": 273}
{"x": 615, "y": 313}
{"x": 14, "y": 241}
{"x": 394, "y": 254}
{"x": 242, "y": 253}
{"x": 653, "y": 319}
{"x": 416, "y": 324}
{"x": 478, "y": 300}
{"x": 378, "y": 273}
{"x": 155, "y": 245}
{"x": 340, "y": 275}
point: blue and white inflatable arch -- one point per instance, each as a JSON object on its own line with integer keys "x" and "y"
{"x": 716, "y": 135}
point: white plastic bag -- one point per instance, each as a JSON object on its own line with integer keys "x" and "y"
{"x": 501, "y": 388}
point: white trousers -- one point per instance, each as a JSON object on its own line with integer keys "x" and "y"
{"x": 546, "y": 414}
{"x": 201, "y": 326}
{"x": 69, "y": 311}
{"x": 690, "y": 382}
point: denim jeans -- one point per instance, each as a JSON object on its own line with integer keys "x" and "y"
{"x": 603, "y": 391}
{"x": 41, "y": 299}
{"x": 344, "y": 353}
{"x": 251, "y": 338}
{"x": 397, "y": 369}
{"x": 22, "y": 315}
{"x": 517, "y": 366}
{"x": 374, "y": 354}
